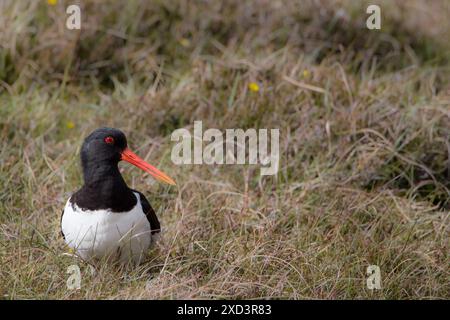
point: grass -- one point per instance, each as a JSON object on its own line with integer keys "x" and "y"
{"x": 365, "y": 167}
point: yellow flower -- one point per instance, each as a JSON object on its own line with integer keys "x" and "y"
{"x": 253, "y": 86}
{"x": 52, "y": 2}
{"x": 70, "y": 125}
{"x": 185, "y": 42}
{"x": 306, "y": 74}
{"x": 70, "y": 250}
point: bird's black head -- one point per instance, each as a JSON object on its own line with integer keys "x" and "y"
{"x": 103, "y": 149}
{"x": 103, "y": 146}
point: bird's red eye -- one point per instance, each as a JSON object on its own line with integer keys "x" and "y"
{"x": 109, "y": 140}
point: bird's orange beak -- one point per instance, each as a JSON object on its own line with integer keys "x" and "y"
{"x": 131, "y": 157}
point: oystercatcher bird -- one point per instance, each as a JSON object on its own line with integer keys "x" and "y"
{"x": 105, "y": 218}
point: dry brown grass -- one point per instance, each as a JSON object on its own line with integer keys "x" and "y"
{"x": 365, "y": 165}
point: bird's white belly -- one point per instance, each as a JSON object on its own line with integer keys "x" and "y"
{"x": 98, "y": 234}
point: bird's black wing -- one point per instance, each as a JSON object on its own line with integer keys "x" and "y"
{"x": 150, "y": 213}
{"x": 60, "y": 225}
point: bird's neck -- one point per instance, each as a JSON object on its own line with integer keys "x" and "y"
{"x": 104, "y": 188}
{"x": 102, "y": 175}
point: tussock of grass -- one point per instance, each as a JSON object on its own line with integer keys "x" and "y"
{"x": 364, "y": 175}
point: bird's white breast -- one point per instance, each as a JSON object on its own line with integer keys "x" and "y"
{"x": 123, "y": 236}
